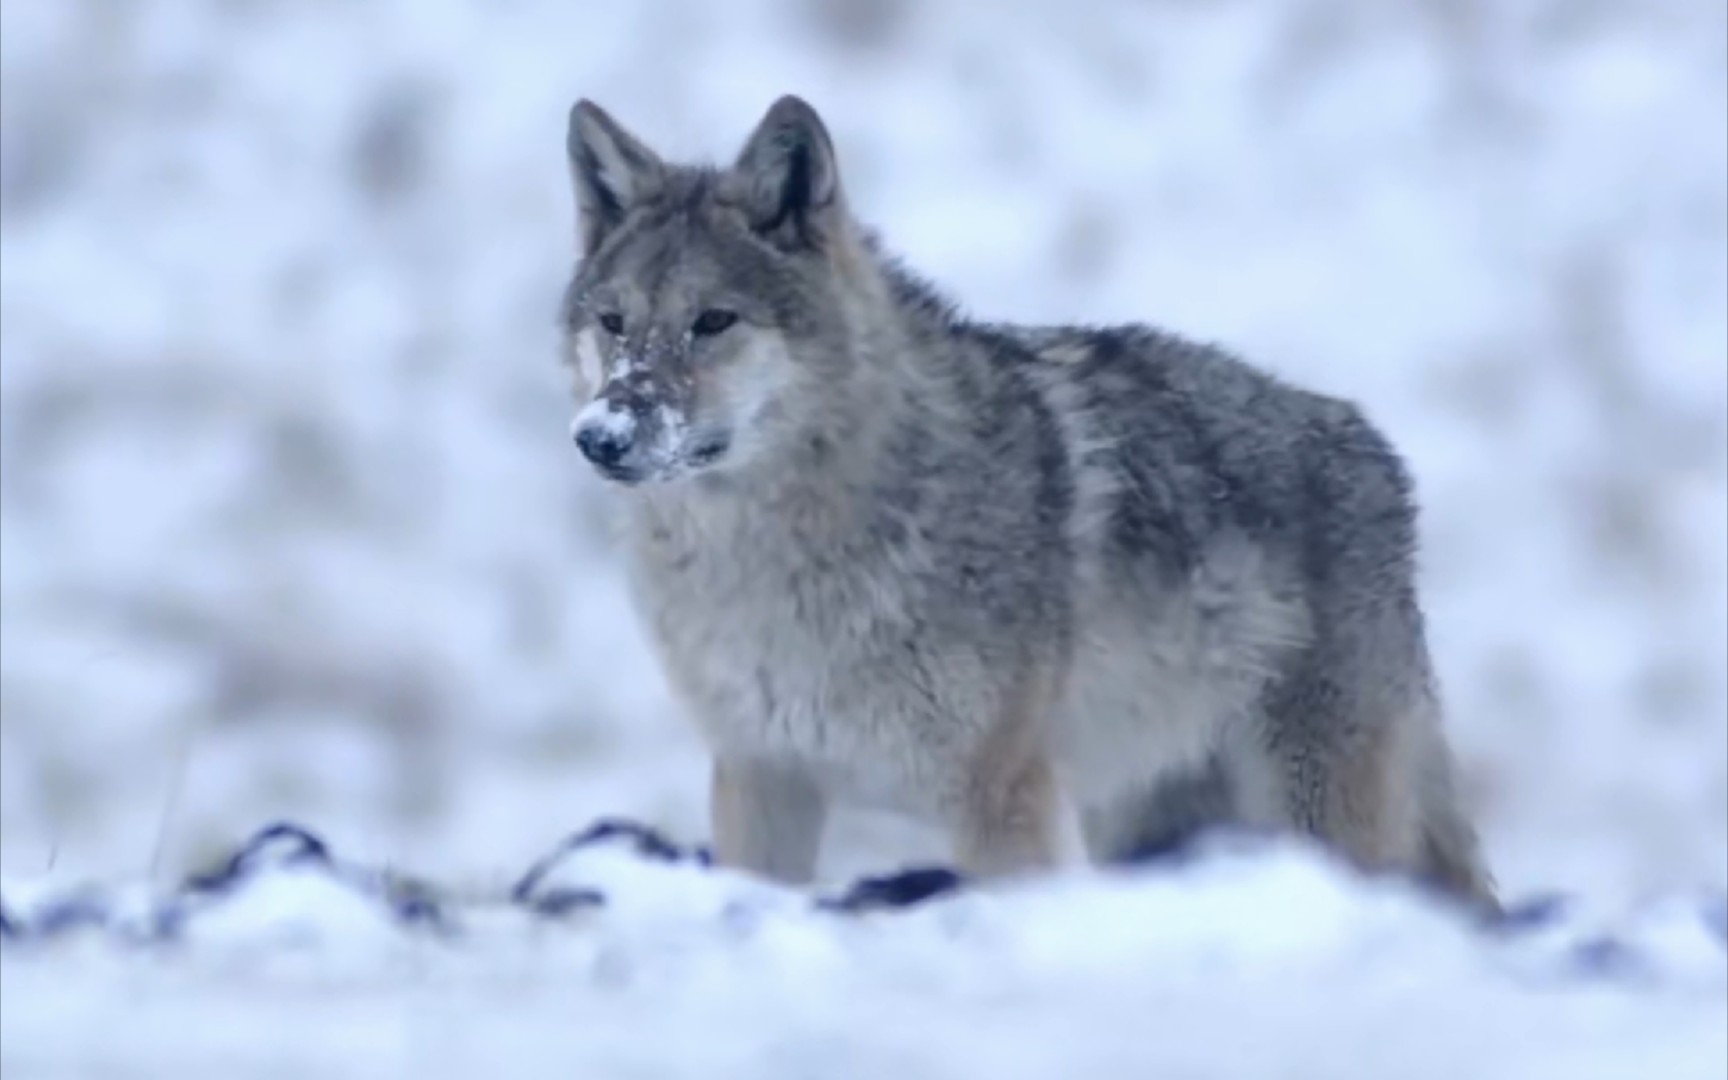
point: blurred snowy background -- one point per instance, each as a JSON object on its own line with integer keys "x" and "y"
{"x": 290, "y": 524}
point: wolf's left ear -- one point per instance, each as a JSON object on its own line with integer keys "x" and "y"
{"x": 789, "y": 176}
{"x": 611, "y": 168}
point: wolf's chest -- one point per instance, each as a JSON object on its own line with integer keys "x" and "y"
{"x": 777, "y": 650}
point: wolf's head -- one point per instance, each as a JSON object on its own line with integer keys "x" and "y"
{"x": 707, "y": 301}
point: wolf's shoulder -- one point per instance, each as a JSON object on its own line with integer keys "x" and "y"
{"x": 1163, "y": 397}
{"x": 1135, "y": 367}
{"x": 1139, "y": 365}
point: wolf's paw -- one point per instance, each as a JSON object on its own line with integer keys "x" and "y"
{"x": 894, "y": 892}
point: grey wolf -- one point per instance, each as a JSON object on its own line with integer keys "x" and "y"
{"x": 1053, "y": 589}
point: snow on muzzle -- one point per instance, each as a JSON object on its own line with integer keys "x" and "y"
{"x": 630, "y": 432}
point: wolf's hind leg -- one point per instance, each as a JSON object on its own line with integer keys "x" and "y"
{"x": 1360, "y": 763}
{"x": 1336, "y": 763}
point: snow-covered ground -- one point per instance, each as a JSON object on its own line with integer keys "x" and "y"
{"x": 1239, "y": 963}
{"x": 290, "y": 526}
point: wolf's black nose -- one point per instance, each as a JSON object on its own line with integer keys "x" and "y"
{"x": 603, "y": 444}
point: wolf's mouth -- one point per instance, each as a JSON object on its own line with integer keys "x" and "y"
{"x": 704, "y": 453}
{"x": 621, "y": 474}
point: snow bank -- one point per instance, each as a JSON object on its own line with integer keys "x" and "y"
{"x": 1244, "y": 961}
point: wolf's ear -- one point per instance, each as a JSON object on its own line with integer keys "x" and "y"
{"x": 788, "y": 175}
{"x": 612, "y": 170}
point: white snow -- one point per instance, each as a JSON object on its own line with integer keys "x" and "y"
{"x": 1272, "y": 965}
{"x": 607, "y": 416}
{"x": 290, "y": 527}
{"x": 673, "y": 436}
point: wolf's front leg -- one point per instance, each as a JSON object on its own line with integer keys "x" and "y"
{"x": 766, "y": 818}
{"x": 1009, "y": 813}
{"x": 1013, "y": 817}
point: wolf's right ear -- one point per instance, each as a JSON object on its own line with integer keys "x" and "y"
{"x": 611, "y": 168}
{"x": 788, "y": 174}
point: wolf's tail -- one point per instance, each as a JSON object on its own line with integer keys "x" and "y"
{"x": 1450, "y": 854}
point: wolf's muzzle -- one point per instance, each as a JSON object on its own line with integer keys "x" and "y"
{"x": 605, "y": 433}
{"x": 603, "y": 446}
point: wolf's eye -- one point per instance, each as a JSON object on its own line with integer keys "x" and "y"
{"x": 612, "y": 323}
{"x": 712, "y": 321}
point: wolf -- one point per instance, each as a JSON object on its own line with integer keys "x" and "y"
{"x": 1064, "y": 592}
